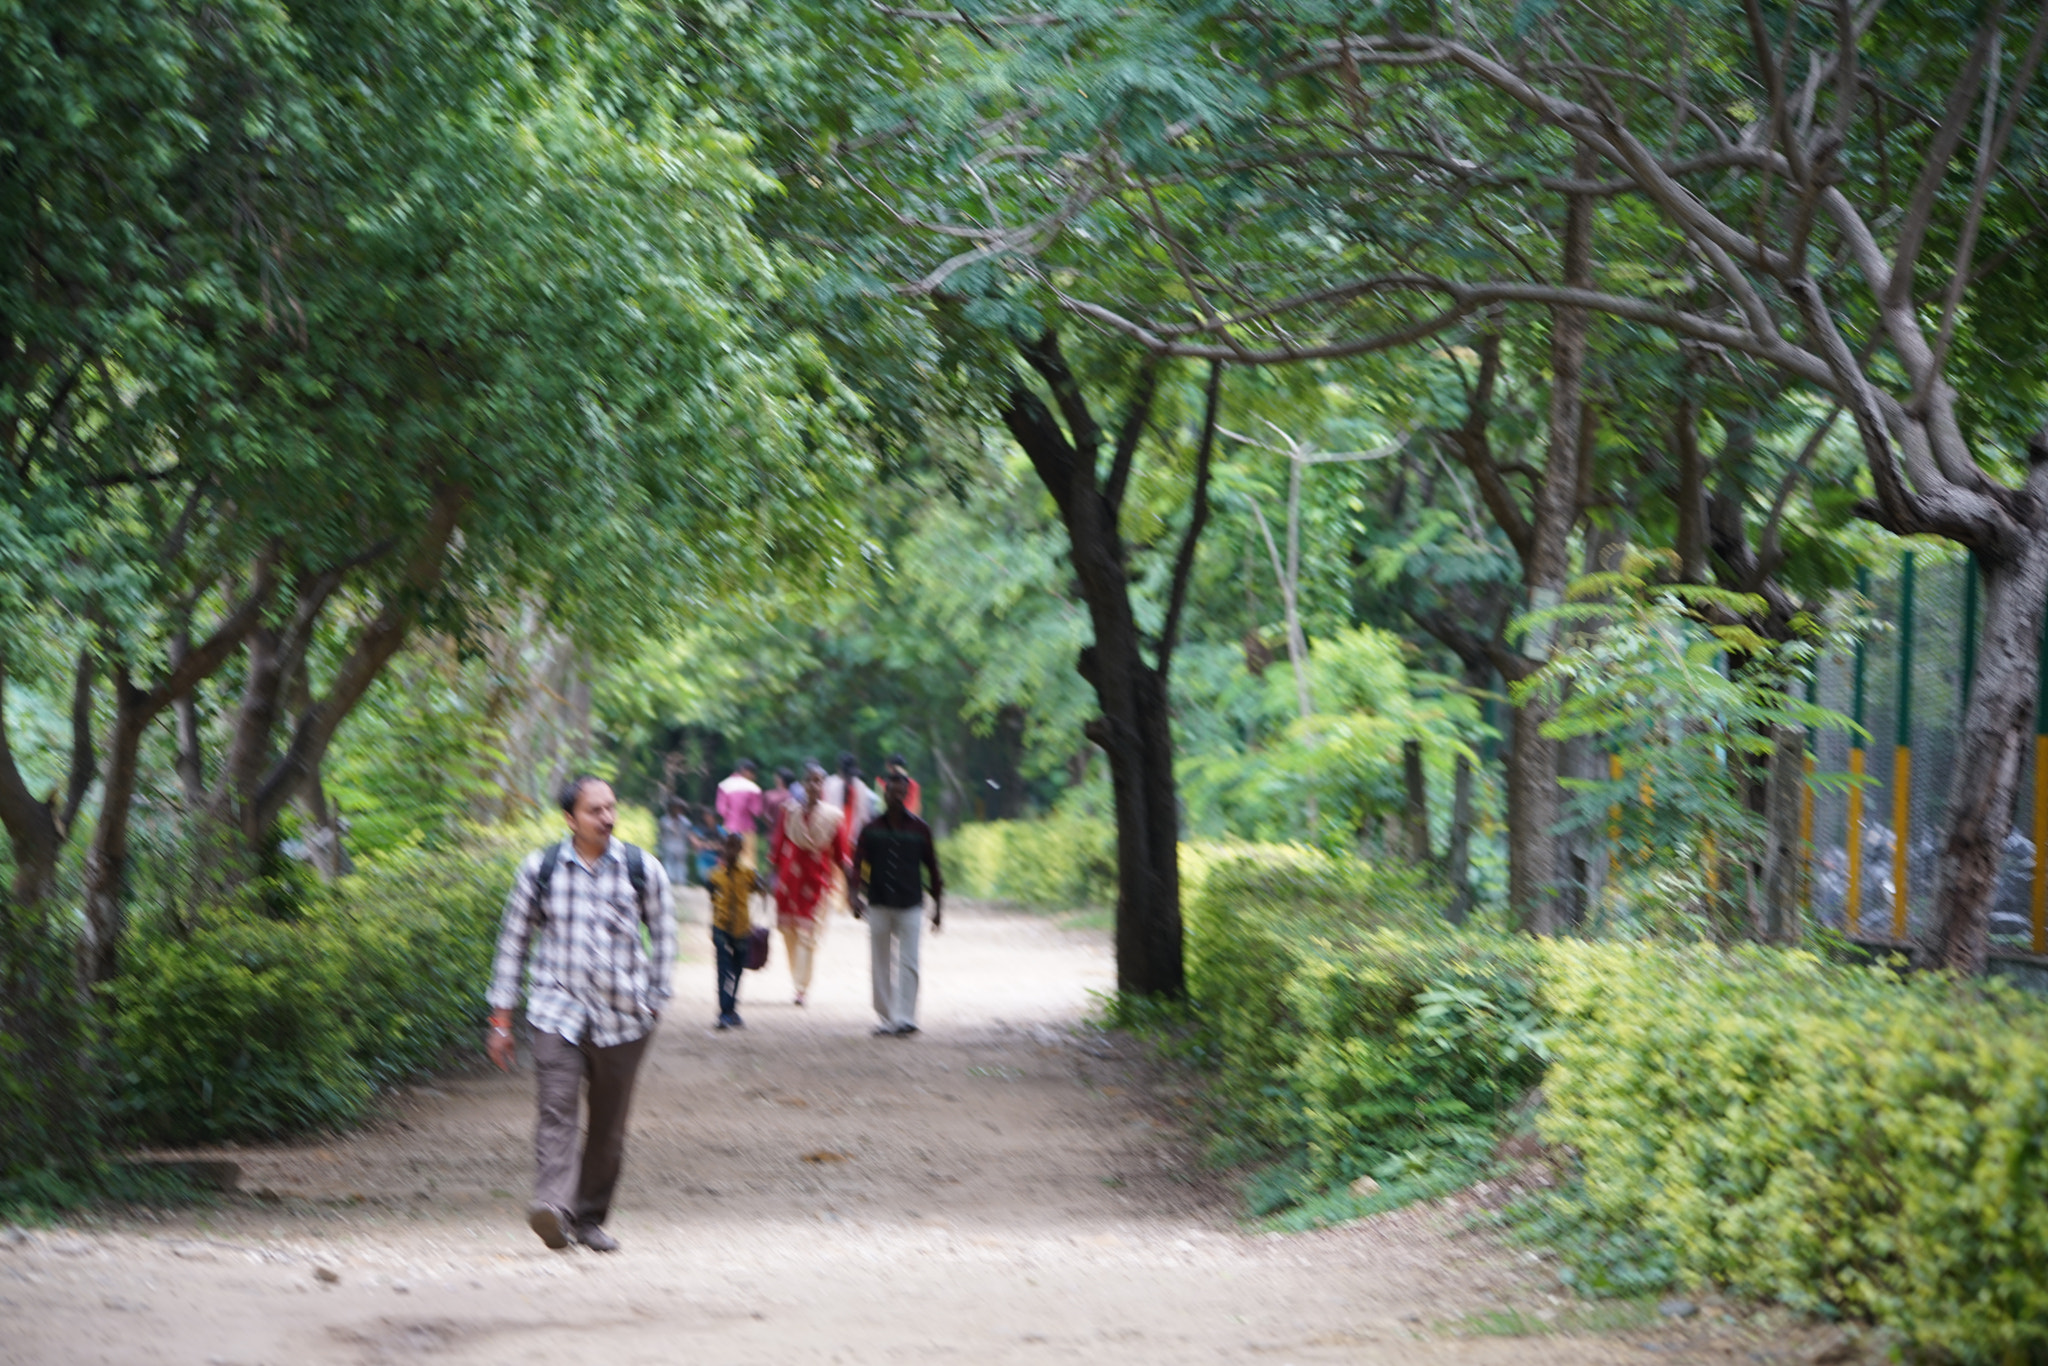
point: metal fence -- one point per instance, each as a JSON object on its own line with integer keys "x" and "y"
{"x": 1872, "y": 851}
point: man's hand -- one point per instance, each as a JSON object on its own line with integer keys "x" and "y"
{"x": 857, "y": 904}
{"x": 938, "y": 912}
{"x": 499, "y": 1044}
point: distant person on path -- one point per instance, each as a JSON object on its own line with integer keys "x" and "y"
{"x": 805, "y": 877}
{"x": 707, "y": 838}
{"x": 739, "y": 805}
{"x": 774, "y": 803}
{"x": 676, "y": 849}
{"x": 594, "y": 993}
{"x": 732, "y": 887}
{"x": 914, "y": 800}
{"x": 858, "y": 804}
{"x": 886, "y": 885}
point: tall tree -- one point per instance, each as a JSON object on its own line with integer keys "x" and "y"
{"x": 1836, "y": 226}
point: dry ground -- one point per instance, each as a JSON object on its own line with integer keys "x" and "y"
{"x": 1007, "y": 1187}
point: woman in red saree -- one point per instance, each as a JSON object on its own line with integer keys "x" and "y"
{"x": 806, "y": 869}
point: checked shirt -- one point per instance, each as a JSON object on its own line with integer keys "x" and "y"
{"x": 590, "y": 972}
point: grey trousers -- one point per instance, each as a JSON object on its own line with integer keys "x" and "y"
{"x": 892, "y": 948}
{"x": 581, "y": 1189}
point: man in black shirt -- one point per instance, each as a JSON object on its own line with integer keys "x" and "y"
{"x": 886, "y": 887}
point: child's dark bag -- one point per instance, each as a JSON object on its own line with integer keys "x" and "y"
{"x": 757, "y": 948}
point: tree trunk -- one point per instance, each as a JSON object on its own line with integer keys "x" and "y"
{"x": 1996, "y": 730}
{"x": 1534, "y": 810}
{"x": 1783, "y": 878}
{"x": 1415, "y": 801}
{"x": 106, "y": 858}
{"x": 1537, "y": 864}
{"x": 37, "y": 828}
{"x": 1133, "y": 729}
{"x": 1134, "y": 734}
{"x": 1458, "y": 854}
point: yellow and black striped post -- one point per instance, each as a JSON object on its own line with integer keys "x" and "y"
{"x": 1854, "y": 903}
{"x": 1902, "y": 753}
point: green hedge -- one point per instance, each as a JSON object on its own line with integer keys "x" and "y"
{"x": 253, "y": 1027}
{"x": 1833, "y": 1138}
{"x": 1350, "y": 1033}
{"x": 1058, "y": 861}
{"x": 1825, "y": 1136}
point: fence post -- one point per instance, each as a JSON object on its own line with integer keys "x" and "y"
{"x": 1854, "y": 905}
{"x": 1902, "y": 753}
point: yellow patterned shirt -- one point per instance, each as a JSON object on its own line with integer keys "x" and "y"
{"x": 731, "y": 890}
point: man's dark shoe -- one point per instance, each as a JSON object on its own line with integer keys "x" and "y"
{"x": 550, "y": 1225}
{"x": 595, "y": 1238}
{"x": 904, "y": 1031}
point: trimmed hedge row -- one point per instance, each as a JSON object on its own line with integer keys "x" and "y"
{"x": 1831, "y": 1137}
{"x": 1059, "y": 862}
{"x": 1350, "y": 1031}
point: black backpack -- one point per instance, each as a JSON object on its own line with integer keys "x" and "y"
{"x": 636, "y": 873}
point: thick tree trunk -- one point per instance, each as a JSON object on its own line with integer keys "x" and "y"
{"x": 1997, "y": 727}
{"x": 1535, "y": 807}
{"x": 1133, "y": 729}
{"x": 1135, "y": 736}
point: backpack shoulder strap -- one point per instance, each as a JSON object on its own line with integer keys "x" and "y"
{"x": 545, "y": 875}
{"x": 636, "y": 872}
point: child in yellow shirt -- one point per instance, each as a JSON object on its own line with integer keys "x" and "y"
{"x": 731, "y": 884}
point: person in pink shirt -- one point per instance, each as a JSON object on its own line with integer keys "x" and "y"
{"x": 739, "y": 810}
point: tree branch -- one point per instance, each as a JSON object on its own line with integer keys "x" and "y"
{"x": 1198, "y": 518}
{"x": 1132, "y": 430}
{"x": 1941, "y": 150}
{"x": 373, "y": 649}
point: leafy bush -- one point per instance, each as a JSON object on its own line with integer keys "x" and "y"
{"x": 1351, "y": 1031}
{"x": 246, "y": 1026}
{"x": 1827, "y": 1137}
{"x": 47, "y": 1128}
{"x": 1057, "y": 861}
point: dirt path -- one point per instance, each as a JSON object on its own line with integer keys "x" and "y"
{"x": 1006, "y": 1187}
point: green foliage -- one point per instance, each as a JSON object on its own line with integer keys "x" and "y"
{"x": 1598, "y": 1258}
{"x": 247, "y": 1027}
{"x": 1667, "y": 679}
{"x": 1832, "y": 1138}
{"x": 1057, "y": 862}
{"x": 1351, "y": 1033}
{"x": 46, "y": 1126}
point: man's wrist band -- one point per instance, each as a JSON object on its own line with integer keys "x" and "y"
{"x": 500, "y": 1029}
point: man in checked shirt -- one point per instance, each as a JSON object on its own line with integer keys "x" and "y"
{"x": 595, "y": 989}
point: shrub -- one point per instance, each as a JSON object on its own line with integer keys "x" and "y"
{"x": 1350, "y": 1031}
{"x": 233, "y": 1032}
{"x": 1058, "y": 861}
{"x": 1827, "y": 1137}
{"x": 48, "y": 1130}
{"x": 247, "y": 1027}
